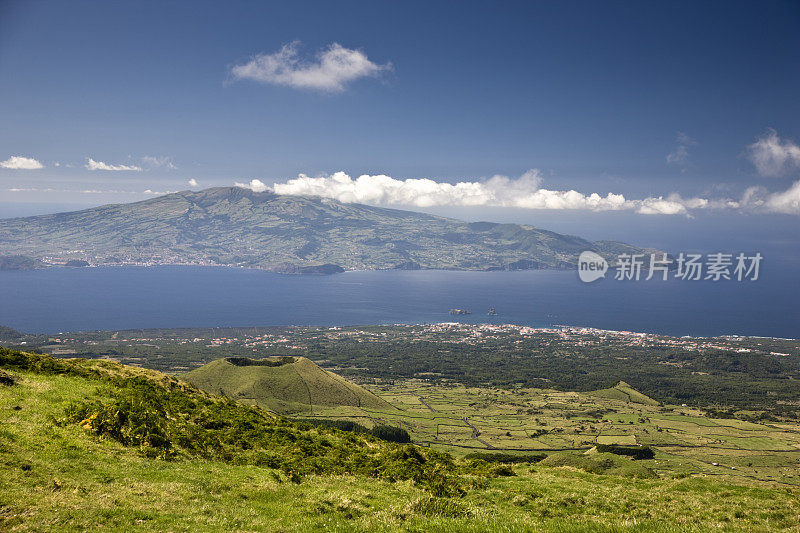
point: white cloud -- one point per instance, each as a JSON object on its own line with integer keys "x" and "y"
{"x": 91, "y": 164}
{"x": 680, "y": 156}
{"x": 524, "y": 192}
{"x": 673, "y": 204}
{"x": 786, "y": 202}
{"x": 773, "y": 157}
{"x": 158, "y": 162}
{"x": 193, "y": 182}
{"x": 254, "y": 185}
{"x": 331, "y": 70}
{"x": 498, "y": 191}
{"x": 17, "y": 162}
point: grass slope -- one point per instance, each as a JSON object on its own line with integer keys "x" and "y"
{"x": 282, "y": 387}
{"x": 60, "y": 473}
{"x": 624, "y": 392}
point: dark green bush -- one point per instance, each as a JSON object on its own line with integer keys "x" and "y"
{"x": 6, "y": 378}
{"x": 391, "y": 434}
{"x": 342, "y": 425}
{"x": 383, "y": 432}
{"x": 506, "y": 458}
{"x": 246, "y": 361}
{"x": 637, "y": 452}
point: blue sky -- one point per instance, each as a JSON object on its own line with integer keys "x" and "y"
{"x": 640, "y": 100}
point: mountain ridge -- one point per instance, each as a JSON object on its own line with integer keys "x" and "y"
{"x": 235, "y": 226}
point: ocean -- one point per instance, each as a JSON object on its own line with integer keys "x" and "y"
{"x": 81, "y": 299}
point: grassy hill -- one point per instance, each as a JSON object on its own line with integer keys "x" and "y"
{"x": 295, "y": 234}
{"x": 95, "y": 445}
{"x": 281, "y": 384}
{"x": 624, "y": 392}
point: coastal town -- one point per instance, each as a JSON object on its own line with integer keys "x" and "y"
{"x": 271, "y": 340}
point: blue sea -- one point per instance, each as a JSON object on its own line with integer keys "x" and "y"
{"x": 81, "y": 299}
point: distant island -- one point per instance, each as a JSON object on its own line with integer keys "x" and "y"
{"x": 234, "y": 226}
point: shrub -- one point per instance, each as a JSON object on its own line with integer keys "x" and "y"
{"x": 391, "y": 434}
{"x": 6, "y": 379}
{"x": 637, "y": 452}
{"x": 342, "y": 425}
{"x": 246, "y": 361}
{"x": 383, "y": 432}
{"x": 502, "y": 470}
{"x": 506, "y": 458}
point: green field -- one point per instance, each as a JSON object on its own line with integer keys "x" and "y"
{"x": 462, "y": 420}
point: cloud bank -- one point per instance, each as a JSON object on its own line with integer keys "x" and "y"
{"x": 331, "y": 70}
{"x": 498, "y": 191}
{"x": 91, "y": 164}
{"x": 772, "y": 156}
{"x": 524, "y": 192}
{"x": 17, "y": 162}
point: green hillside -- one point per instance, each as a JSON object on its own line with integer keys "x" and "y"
{"x": 281, "y": 384}
{"x": 293, "y": 234}
{"x": 624, "y": 392}
{"x": 95, "y": 445}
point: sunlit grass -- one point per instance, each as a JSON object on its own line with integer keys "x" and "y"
{"x": 56, "y": 477}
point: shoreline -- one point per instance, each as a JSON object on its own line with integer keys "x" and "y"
{"x": 47, "y": 266}
{"x": 522, "y": 330}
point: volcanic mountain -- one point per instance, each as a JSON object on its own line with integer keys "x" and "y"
{"x": 235, "y": 226}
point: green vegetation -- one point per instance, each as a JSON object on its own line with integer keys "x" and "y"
{"x": 390, "y": 433}
{"x": 6, "y": 379}
{"x": 636, "y": 452}
{"x": 601, "y": 463}
{"x": 506, "y": 458}
{"x": 383, "y": 432}
{"x": 168, "y": 419}
{"x": 281, "y": 384}
{"x": 61, "y": 473}
{"x": 522, "y": 421}
{"x": 292, "y": 234}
